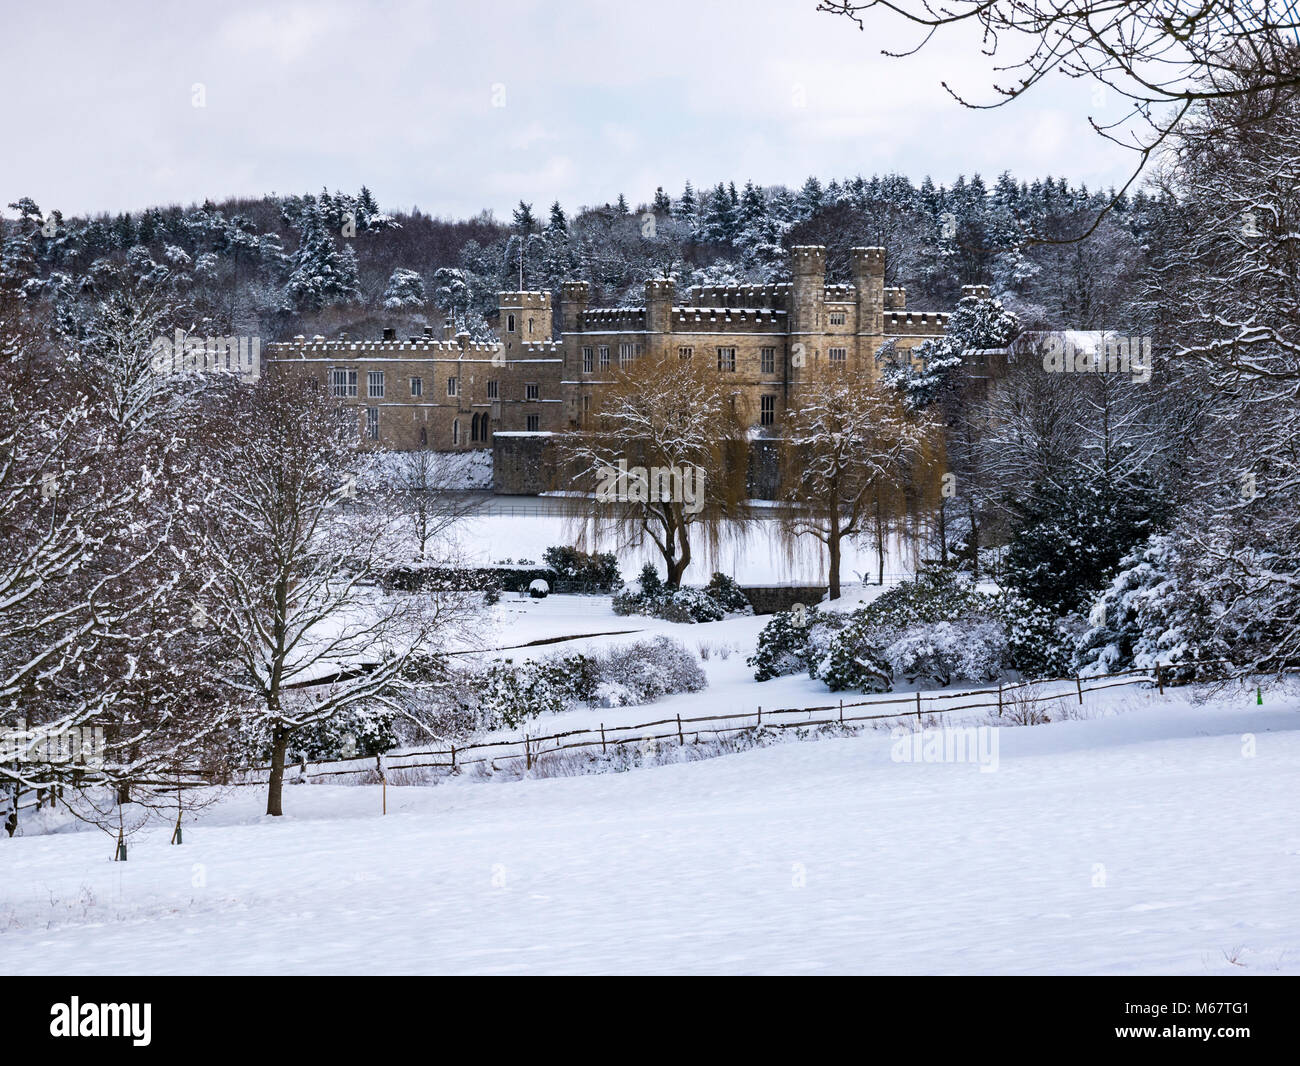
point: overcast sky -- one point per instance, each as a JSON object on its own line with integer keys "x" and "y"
{"x": 460, "y": 107}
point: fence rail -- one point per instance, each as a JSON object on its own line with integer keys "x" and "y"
{"x": 531, "y": 748}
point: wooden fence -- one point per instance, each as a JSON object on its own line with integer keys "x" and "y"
{"x": 529, "y": 748}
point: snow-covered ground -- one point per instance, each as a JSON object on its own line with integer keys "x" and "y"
{"x": 1160, "y": 836}
{"x": 758, "y": 554}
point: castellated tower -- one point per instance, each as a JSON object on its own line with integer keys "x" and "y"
{"x": 868, "y": 266}
{"x": 525, "y": 319}
{"x": 808, "y": 302}
{"x": 574, "y": 298}
{"x": 658, "y": 314}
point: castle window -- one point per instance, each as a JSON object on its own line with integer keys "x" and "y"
{"x": 493, "y": 389}
{"x": 837, "y": 318}
{"x": 424, "y": 437}
{"x": 727, "y": 359}
{"x": 533, "y": 423}
{"x": 626, "y": 353}
{"x": 767, "y": 357}
{"x": 685, "y": 353}
{"x": 343, "y": 382}
{"x": 510, "y": 323}
{"x": 375, "y": 384}
{"x": 767, "y": 410}
{"x": 588, "y": 360}
{"x": 837, "y": 355}
{"x": 604, "y": 356}
{"x": 417, "y": 386}
{"x": 372, "y": 423}
{"x": 455, "y": 431}
{"x": 531, "y": 391}
{"x": 453, "y": 388}
{"x": 483, "y": 427}
{"x": 473, "y": 428}
{"x": 586, "y": 404}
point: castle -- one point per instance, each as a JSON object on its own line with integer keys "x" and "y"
{"x": 453, "y": 394}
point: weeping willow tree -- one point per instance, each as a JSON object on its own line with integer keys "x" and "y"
{"x": 662, "y": 454}
{"x": 854, "y": 461}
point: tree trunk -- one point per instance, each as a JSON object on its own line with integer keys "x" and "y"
{"x": 943, "y": 534}
{"x": 974, "y": 541}
{"x": 275, "y": 787}
{"x": 880, "y": 543}
{"x": 833, "y": 575}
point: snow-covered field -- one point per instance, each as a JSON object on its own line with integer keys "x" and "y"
{"x": 1159, "y": 837}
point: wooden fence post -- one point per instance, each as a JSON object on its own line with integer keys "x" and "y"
{"x": 680, "y": 739}
{"x": 453, "y": 756}
{"x": 841, "y": 712}
{"x": 528, "y": 754}
{"x": 760, "y": 716}
{"x": 1160, "y": 684}
{"x": 1078, "y": 681}
{"x": 918, "y": 706}
{"x": 602, "y": 738}
{"x": 999, "y": 699}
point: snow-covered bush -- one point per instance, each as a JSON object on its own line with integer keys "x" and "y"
{"x": 650, "y": 670}
{"x": 1037, "y": 642}
{"x": 599, "y": 569}
{"x": 1146, "y": 617}
{"x": 936, "y": 628}
{"x": 724, "y": 591}
{"x": 969, "y": 650}
{"x": 689, "y": 605}
{"x": 538, "y": 589}
{"x": 790, "y": 644}
{"x": 353, "y": 731}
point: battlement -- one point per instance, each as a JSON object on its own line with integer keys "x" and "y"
{"x": 896, "y": 298}
{"x": 301, "y": 348}
{"x": 612, "y": 319}
{"x": 867, "y": 261}
{"x": 575, "y": 290}
{"x": 733, "y": 317}
{"x": 526, "y": 301}
{"x": 980, "y": 292}
{"x": 755, "y": 296}
{"x": 906, "y": 322}
{"x": 542, "y": 348}
{"x": 808, "y": 259}
{"x": 841, "y": 293}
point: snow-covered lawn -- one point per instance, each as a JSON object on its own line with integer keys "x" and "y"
{"x": 1146, "y": 841}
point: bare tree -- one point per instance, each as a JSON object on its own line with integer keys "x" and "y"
{"x": 662, "y": 454}
{"x": 1162, "y": 58}
{"x": 850, "y": 447}
{"x": 291, "y": 590}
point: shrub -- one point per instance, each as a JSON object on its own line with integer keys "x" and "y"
{"x": 783, "y": 645}
{"x": 968, "y": 650}
{"x": 934, "y": 628}
{"x": 599, "y": 570}
{"x": 724, "y": 590}
{"x": 650, "y": 670}
{"x": 539, "y": 589}
{"x": 687, "y": 605}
